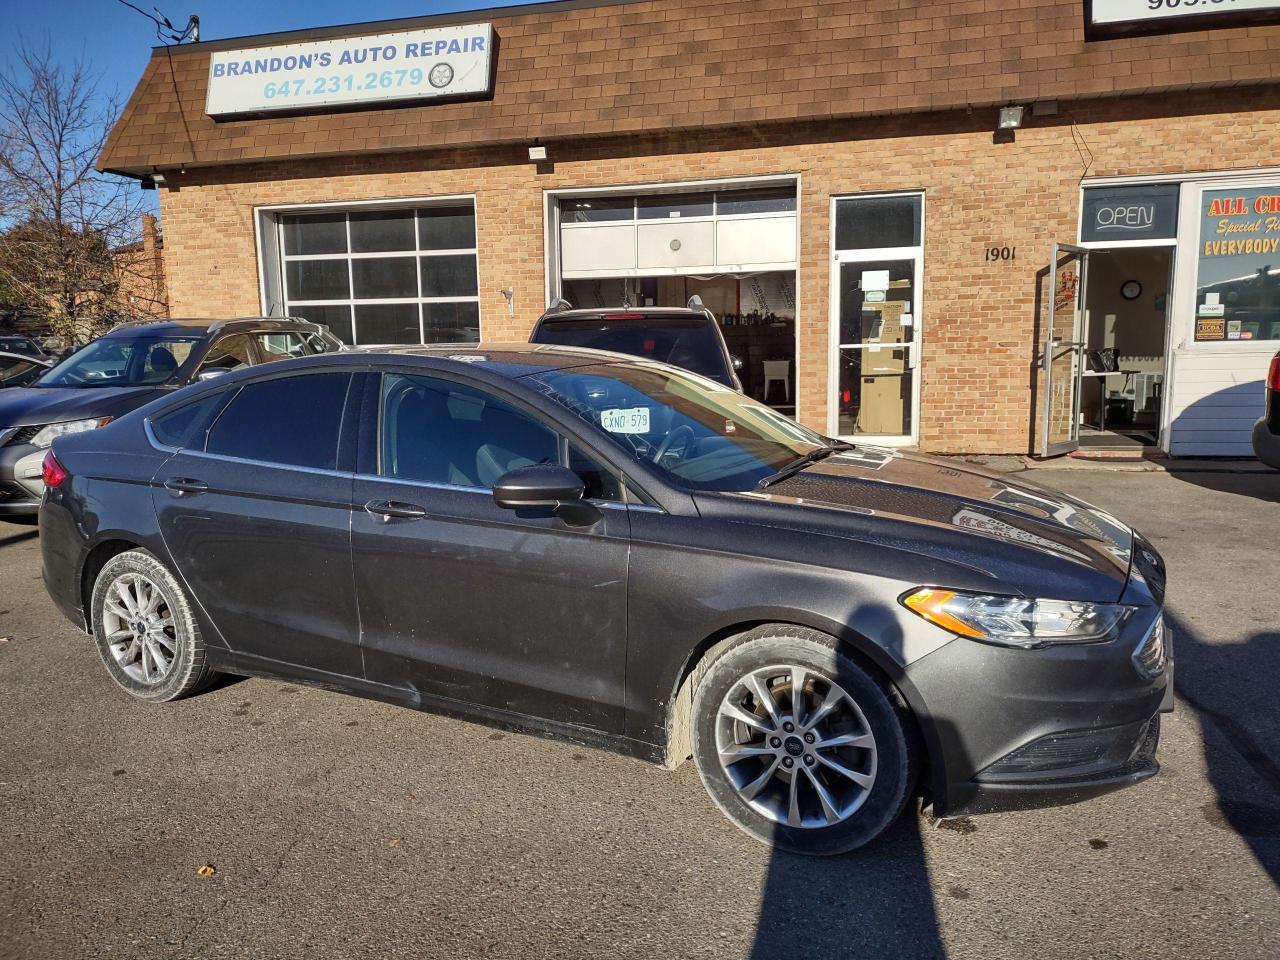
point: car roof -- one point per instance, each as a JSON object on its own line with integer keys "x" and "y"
{"x": 42, "y": 361}
{"x": 196, "y": 326}
{"x": 628, "y": 313}
{"x": 508, "y": 359}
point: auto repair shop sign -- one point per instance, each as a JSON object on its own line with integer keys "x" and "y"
{"x": 410, "y": 65}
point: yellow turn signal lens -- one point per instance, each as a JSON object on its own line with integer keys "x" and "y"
{"x": 930, "y": 604}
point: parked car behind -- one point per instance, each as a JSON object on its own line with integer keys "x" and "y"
{"x": 16, "y": 343}
{"x": 687, "y": 337}
{"x": 20, "y": 369}
{"x": 132, "y": 364}
{"x": 625, "y": 554}
{"x": 1266, "y": 432}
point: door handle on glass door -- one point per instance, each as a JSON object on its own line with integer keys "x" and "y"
{"x": 389, "y": 510}
{"x": 185, "y": 486}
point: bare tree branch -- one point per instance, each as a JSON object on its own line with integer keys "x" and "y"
{"x": 60, "y": 219}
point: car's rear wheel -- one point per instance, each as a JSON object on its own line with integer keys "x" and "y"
{"x": 145, "y": 630}
{"x": 799, "y": 745}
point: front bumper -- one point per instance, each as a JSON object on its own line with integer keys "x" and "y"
{"x": 1266, "y": 445}
{"x": 21, "y": 483}
{"x": 1014, "y": 729}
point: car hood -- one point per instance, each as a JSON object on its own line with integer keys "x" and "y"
{"x": 25, "y": 406}
{"x": 1019, "y": 537}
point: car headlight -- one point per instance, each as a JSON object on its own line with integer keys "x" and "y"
{"x": 46, "y": 435}
{"x": 1016, "y": 621}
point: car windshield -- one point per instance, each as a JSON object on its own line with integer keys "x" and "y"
{"x": 704, "y": 436}
{"x": 121, "y": 362}
{"x": 688, "y": 342}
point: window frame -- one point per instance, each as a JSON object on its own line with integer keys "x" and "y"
{"x": 370, "y": 466}
{"x": 914, "y": 347}
{"x": 269, "y": 225}
{"x": 231, "y": 394}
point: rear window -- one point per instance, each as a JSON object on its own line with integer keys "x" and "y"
{"x": 691, "y": 343}
{"x": 293, "y": 421}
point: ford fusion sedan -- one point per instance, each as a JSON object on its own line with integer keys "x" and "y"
{"x": 122, "y": 370}
{"x": 621, "y": 553}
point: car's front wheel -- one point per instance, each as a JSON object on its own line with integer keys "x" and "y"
{"x": 799, "y": 745}
{"x": 145, "y": 630}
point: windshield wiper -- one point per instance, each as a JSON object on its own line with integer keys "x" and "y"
{"x": 798, "y": 464}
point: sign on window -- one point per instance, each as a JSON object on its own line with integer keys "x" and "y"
{"x": 1238, "y": 265}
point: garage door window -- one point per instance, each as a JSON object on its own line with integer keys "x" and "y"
{"x": 384, "y": 276}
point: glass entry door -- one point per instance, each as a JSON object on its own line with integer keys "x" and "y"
{"x": 877, "y": 355}
{"x": 1062, "y": 350}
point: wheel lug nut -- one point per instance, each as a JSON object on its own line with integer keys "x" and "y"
{"x": 788, "y": 762}
{"x": 809, "y": 738}
{"x": 788, "y": 726}
{"x": 808, "y": 759}
{"x": 775, "y": 743}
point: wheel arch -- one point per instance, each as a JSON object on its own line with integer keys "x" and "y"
{"x": 97, "y": 558}
{"x": 868, "y": 654}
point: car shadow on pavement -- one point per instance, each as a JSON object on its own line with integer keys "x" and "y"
{"x": 21, "y": 534}
{"x": 1231, "y": 687}
{"x": 1263, "y": 485}
{"x": 877, "y": 900}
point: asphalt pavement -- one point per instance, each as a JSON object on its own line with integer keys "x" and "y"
{"x": 337, "y": 827}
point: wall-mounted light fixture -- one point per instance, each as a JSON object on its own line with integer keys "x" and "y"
{"x": 1007, "y": 123}
{"x": 537, "y": 153}
{"x": 510, "y": 294}
{"x": 157, "y": 177}
{"x": 1010, "y": 117}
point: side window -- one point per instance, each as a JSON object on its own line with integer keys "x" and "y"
{"x": 177, "y": 427}
{"x": 162, "y": 360}
{"x": 437, "y": 431}
{"x": 601, "y": 483}
{"x": 279, "y": 346}
{"x": 293, "y": 421}
{"x": 227, "y": 353}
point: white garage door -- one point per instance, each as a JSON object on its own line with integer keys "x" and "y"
{"x": 657, "y": 234}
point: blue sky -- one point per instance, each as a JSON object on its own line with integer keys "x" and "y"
{"x": 117, "y": 41}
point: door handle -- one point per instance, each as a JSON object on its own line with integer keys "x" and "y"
{"x": 390, "y": 510}
{"x": 185, "y": 486}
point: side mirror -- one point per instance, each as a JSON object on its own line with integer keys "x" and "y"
{"x": 545, "y": 487}
{"x": 213, "y": 373}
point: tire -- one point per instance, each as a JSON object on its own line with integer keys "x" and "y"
{"x": 145, "y": 631}
{"x": 849, "y": 791}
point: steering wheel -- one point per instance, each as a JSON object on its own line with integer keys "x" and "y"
{"x": 667, "y": 444}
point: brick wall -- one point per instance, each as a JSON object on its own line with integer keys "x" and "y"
{"x": 978, "y": 323}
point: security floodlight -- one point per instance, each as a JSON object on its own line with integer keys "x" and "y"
{"x": 1010, "y": 118}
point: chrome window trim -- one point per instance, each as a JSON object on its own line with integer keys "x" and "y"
{"x": 425, "y": 484}
{"x": 154, "y": 440}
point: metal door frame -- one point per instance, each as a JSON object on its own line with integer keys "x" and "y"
{"x": 1054, "y": 347}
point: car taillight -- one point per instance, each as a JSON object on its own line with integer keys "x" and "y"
{"x": 52, "y": 471}
{"x": 624, "y": 316}
{"x": 1273, "y": 375}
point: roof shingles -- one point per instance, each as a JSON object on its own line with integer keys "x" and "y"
{"x": 568, "y": 70}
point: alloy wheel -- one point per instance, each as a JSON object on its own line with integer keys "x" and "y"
{"x": 139, "y": 627}
{"x": 796, "y": 746}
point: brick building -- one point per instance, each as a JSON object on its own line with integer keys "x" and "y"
{"x": 912, "y": 213}
{"x": 140, "y": 268}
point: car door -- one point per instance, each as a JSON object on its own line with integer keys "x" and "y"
{"x": 256, "y": 514}
{"x": 464, "y": 602}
